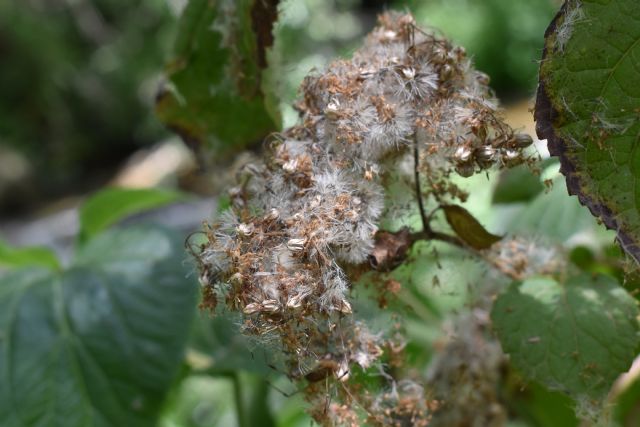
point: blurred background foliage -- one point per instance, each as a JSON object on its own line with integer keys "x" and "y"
{"x": 79, "y": 77}
{"x": 77, "y": 83}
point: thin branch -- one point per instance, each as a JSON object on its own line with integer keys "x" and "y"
{"x": 456, "y": 241}
{"x": 416, "y": 177}
{"x": 428, "y": 234}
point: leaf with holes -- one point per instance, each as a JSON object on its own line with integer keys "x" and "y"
{"x": 100, "y": 343}
{"x": 576, "y": 337}
{"x": 588, "y": 108}
{"x": 214, "y": 93}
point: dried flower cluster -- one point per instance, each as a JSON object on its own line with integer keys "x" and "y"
{"x": 314, "y": 205}
{"x": 465, "y": 374}
{"x": 520, "y": 258}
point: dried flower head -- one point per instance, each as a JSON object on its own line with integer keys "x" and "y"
{"x": 314, "y": 206}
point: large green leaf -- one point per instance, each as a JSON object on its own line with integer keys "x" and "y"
{"x": 214, "y": 94}
{"x": 27, "y": 256}
{"x": 560, "y": 219}
{"x": 576, "y": 337}
{"x": 587, "y": 108}
{"x": 100, "y": 343}
{"x": 114, "y": 204}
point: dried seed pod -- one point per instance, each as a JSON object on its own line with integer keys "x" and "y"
{"x": 464, "y": 161}
{"x": 271, "y": 306}
{"x": 408, "y": 73}
{"x": 236, "y": 279}
{"x": 465, "y": 170}
{"x": 342, "y": 373}
{"x": 447, "y": 72}
{"x": 295, "y": 301}
{"x": 389, "y": 35}
{"x": 245, "y": 229}
{"x": 512, "y": 158}
{"x": 462, "y": 154}
{"x": 482, "y": 78}
{"x": 366, "y": 73}
{"x": 296, "y": 245}
{"x": 343, "y": 306}
{"x": 290, "y": 166}
{"x": 521, "y": 140}
{"x": 273, "y": 215}
{"x": 252, "y": 308}
{"x": 234, "y": 192}
{"x": 332, "y": 111}
{"x": 485, "y": 156}
{"x": 439, "y": 55}
{"x": 459, "y": 53}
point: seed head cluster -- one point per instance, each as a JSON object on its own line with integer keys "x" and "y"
{"x": 313, "y": 207}
{"x": 464, "y": 373}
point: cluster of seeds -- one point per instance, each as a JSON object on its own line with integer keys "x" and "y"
{"x": 313, "y": 206}
{"x": 521, "y": 257}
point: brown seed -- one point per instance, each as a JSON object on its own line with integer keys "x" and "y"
{"x": 465, "y": 170}
{"x": 483, "y": 78}
{"x": 512, "y": 158}
{"x": 462, "y": 155}
{"x": 521, "y": 140}
{"x": 485, "y": 156}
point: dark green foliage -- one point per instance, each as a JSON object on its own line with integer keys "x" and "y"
{"x": 215, "y": 76}
{"x": 587, "y": 108}
{"x": 76, "y": 86}
{"x": 99, "y": 343}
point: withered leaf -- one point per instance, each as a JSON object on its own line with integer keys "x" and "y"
{"x": 468, "y": 228}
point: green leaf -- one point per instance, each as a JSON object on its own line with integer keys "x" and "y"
{"x": 559, "y": 218}
{"x": 626, "y": 409}
{"x": 576, "y": 337}
{"x": 587, "y": 108}
{"x": 28, "y": 256}
{"x": 542, "y": 406}
{"x": 114, "y": 204}
{"x": 252, "y": 393}
{"x": 517, "y": 185}
{"x": 520, "y": 184}
{"x": 468, "y": 228}
{"x": 200, "y": 401}
{"x": 100, "y": 343}
{"x": 219, "y": 337}
{"x": 214, "y": 93}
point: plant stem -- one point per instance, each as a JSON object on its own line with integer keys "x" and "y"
{"x": 416, "y": 177}
{"x": 428, "y": 234}
{"x": 237, "y": 392}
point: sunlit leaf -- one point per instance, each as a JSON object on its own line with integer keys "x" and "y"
{"x": 576, "y": 337}
{"x": 114, "y": 204}
{"x": 27, "y": 256}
